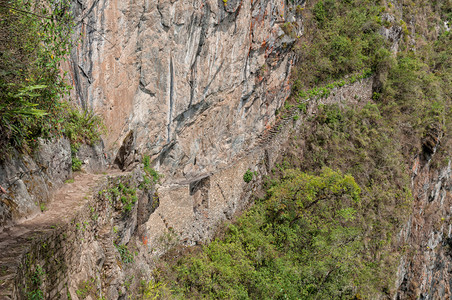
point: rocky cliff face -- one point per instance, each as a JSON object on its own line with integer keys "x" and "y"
{"x": 424, "y": 272}
{"x": 106, "y": 246}
{"x": 193, "y": 82}
{"x": 28, "y": 181}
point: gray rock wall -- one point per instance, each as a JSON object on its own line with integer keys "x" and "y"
{"x": 79, "y": 259}
{"x": 195, "y": 80}
{"x": 424, "y": 271}
{"x": 28, "y": 181}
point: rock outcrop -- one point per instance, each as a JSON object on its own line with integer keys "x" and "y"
{"x": 196, "y": 81}
{"x": 27, "y": 181}
{"x": 424, "y": 271}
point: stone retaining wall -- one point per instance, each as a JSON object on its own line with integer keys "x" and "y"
{"x": 79, "y": 259}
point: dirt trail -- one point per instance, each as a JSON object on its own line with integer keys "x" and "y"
{"x": 64, "y": 205}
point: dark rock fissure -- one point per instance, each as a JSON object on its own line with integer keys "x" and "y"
{"x": 202, "y": 36}
{"x": 171, "y": 98}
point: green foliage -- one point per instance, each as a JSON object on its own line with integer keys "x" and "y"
{"x": 35, "y": 295}
{"x": 34, "y": 40}
{"x": 282, "y": 246}
{"x": 340, "y": 39}
{"x": 126, "y": 255}
{"x": 82, "y": 127}
{"x": 86, "y": 288}
{"x": 319, "y": 12}
{"x": 248, "y": 176}
{"x": 76, "y": 164}
{"x": 364, "y": 143}
{"x": 121, "y": 194}
{"x": 325, "y": 91}
{"x": 128, "y": 198}
{"x": 302, "y": 107}
{"x": 36, "y": 282}
{"x": 417, "y": 90}
{"x": 156, "y": 176}
{"x": 154, "y": 290}
{"x": 329, "y": 114}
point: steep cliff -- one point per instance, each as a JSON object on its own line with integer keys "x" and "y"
{"x": 199, "y": 85}
{"x": 192, "y": 84}
{"x": 424, "y": 271}
{"x": 194, "y": 81}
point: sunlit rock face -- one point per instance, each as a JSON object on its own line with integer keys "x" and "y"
{"x": 195, "y": 82}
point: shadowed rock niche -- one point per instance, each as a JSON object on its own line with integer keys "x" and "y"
{"x": 126, "y": 153}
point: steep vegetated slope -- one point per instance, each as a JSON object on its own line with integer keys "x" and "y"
{"x": 35, "y": 39}
{"x": 40, "y": 131}
{"x": 356, "y": 204}
{"x": 319, "y": 233}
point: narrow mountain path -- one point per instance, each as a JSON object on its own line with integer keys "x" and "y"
{"x": 65, "y": 204}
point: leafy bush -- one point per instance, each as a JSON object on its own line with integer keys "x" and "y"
{"x": 121, "y": 194}
{"x": 34, "y": 39}
{"x": 76, "y": 164}
{"x": 340, "y": 39}
{"x": 283, "y": 247}
{"x": 156, "y": 176}
{"x": 82, "y": 126}
{"x": 248, "y": 176}
{"x": 126, "y": 255}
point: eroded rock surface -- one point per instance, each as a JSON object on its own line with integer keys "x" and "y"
{"x": 28, "y": 181}
{"x": 425, "y": 271}
{"x": 196, "y": 81}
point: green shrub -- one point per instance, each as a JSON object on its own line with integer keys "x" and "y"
{"x": 31, "y": 83}
{"x": 282, "y": 246}
{"x": 76, "y": 164}
{"x": 121, "y": 194}
{"x": 302, "y": 107}
{"x": 86, "y": 288}
{"x": 126, "y": 255}
{"x": 248, "y": 176}
{"x": 156, "y": 176}
{"x": 341, "y": 39}
{"x": 34, "y": 40}
{"x": 82, "y": 126}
